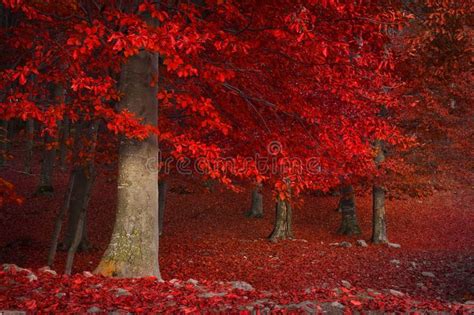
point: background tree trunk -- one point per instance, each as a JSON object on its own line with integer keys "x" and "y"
{"x": 379, "y": 228}
{"x": 256, "y": 207}
{"x": 133, "y": 249}
{"x": 30, "y": 129}
{"x": 162, "y": 193}
{"x": 282, "y": 228}
{"x": 63, "y": 142}
{"x": 349, "y": 224}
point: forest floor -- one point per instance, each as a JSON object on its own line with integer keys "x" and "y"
{"x": 208, "y": 239}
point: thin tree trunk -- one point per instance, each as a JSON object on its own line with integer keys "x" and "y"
{"x": 256, "y": 208}
{"x": 30, "y": 129}
{"x": 78, "y": 235}
{"x": 349, "y": 224}
{"x": 282, "y": 228}
{"x": 379, "y": 228}
{"x": 162, "y": 193}
{"x": 63, "y": 143}
{"x": 133, "y": 249}
{"x": 59, "y": 222}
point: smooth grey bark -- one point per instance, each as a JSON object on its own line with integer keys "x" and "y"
{"x": 349, "y": 223}
{"x": 163, "y": 194}
{"x": 379, "y": 223}
{"x": 256, "y": 207}
{"x": 133, "y": 248}
{"x": 30, "y": 129}
{"x": 283, "y": 219}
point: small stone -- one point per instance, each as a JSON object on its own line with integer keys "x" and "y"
{"x": 32, "y": 277}
{"x": 396, "y": 293}
{"x": 395, "y": 261}
{"x": 346, "y": 284}
{"x": 208, "y": 295}
{"x": 242, "y": 285}
{"x": 345, "y": 244}
{"x": 94, "y": 309}
{"x": 193, "y": 282}
{"x": 469, "y": 302}
{"x": 373, "y": 292}
{"x": 337, "y": 305}
{"x": 394, "y": 245}
{"x": 122, "y": 292}
{"x": 87, "y": 274}
{"x": 362, "y": 243}
{"x": 413, "y": 264}
{"x": 46, "y": 269}
{"x": 428, "y": 274}
{"x": 333, "y": 244}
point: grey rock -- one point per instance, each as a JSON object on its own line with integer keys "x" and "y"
{"x": 94, "y": 309}
{"x": 46, "y": 269}
{"x": 362, "y": 243}
{"x": 345, "y": 244}
{"x": 208, "y": 295}
{"x": 396, "y": 293}
{"x": 428, "y": 274}
{"x": 192, "y": 281}
{"x": 242, "y": 285}
{"x": 346, "y": 284}
{"x": 394, "y": 245}
{"x": 395, "y": 261}
{"x": 32, "y": 277}
{"x": 122, "y": 292}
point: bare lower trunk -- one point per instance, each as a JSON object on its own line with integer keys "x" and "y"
{"x": 83, "y": 180}
{"x": 349, "y": 224}
{"x": 256, "y": 208}
{"x": 133, "y": 248}
{"x": 63, "y": 148}
{"x": 379, "y": 227}
{"x": 30, "y": 129}
{"x": 162, "y": 193}
{"x": 282, "y": 229}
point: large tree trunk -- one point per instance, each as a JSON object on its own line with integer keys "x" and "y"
{"x": 256, "y": 207}
{"x": 162, "y": 193}
{"x": 282, "y": 228}
{"x": 30, "y": 129}
{"x": 133, "y": 248}
{"x": 379, "y": 228}
{"x": 349, "y": 224}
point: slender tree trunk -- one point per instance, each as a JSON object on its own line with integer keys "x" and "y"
{"x": 349, "y": 224}
{"x": 3, "y": 141}
{"x": 133, "y": 249}
{"x": 256, "y": 207}
{"x": 30, "y": 129}
{"x": 63, "y": 143}
{"x": 282, "y": 228}
{"x": 162, "y": 193}
{"x": 379, "y": 228}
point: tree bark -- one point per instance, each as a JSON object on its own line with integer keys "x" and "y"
{"x": 162, "y": 193}
{"x": 282, "y": 228}
{"x": 133, "y": 249}
{"x": 349, "y": 224}
{"x": 63, "y": 142}
{"x": 30, "y": 129}
{"x": 379, "y": 228}
{"x": 256, "y": 207}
